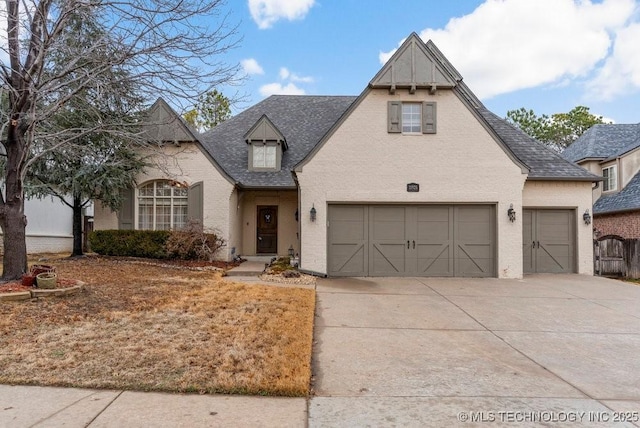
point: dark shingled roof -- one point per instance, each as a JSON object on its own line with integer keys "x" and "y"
{"x": 543, "y": 162}
{"x": 627, "y": 199}
{"x": 604, "y": 141}
{"x": 302, "y": 119}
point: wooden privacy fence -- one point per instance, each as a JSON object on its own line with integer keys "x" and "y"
{"x": 615, "y": 256}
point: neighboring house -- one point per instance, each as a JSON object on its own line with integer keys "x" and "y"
{"x": 49, "y": 225}
{"x": 613, "y": 151}
{"x": 413, "y": 177}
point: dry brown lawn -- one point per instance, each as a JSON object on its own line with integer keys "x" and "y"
{"x": 145, "y": 327}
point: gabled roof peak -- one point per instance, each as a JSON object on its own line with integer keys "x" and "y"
{"x": 264, "y": 130}
{"x": 416, "y": 65}
{"x": 163, "y": 124}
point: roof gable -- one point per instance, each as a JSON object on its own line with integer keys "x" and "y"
{"x": 413, "y": 66}
{"x": 304, "y": 119}
{"x": 163, "y": 124}
{"x": 534, "y": 159}
{"x": 264, "y": 130}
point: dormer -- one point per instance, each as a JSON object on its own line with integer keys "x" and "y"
{"x": 266, "y": 146}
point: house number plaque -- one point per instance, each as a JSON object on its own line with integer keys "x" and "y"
{"x": 413, "y": 187}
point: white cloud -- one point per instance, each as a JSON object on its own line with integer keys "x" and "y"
{"x": 507, "y": 45}
{"x": 279, "y": 89}
{"x": 265, "y": 13}
{"x": 287, "y": 87}
{"x": 286, "y": 74}
{"x": 621, "y": 71}
{"x": 251, "y": 66}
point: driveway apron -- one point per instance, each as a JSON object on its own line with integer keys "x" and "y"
{"x": 543, "y": 350}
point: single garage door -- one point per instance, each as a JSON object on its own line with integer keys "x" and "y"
{"x": 548, "y": 241}
{"x": 411, "y": 240}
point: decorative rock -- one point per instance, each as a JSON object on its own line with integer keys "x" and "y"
{"x": 291, "y": 274}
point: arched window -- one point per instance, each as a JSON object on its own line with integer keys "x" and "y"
{"x": 162, "y": 206}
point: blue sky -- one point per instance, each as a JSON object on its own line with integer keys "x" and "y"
{"x": 546, "y": 55}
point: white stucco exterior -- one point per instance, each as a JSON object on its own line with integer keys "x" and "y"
{"x": 362, "y": 162}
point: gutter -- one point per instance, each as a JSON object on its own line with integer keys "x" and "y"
{"x": 593, "y": 179}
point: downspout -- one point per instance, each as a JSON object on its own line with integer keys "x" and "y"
{"x": 295, "y": 180}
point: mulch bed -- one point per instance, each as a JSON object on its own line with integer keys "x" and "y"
{"x": 16, "y": 286}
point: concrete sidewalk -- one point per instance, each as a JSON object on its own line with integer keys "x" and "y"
{"x": 34, "y": 406}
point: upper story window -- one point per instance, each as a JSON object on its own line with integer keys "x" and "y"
{"x": 264, "y": 156}
{"x": 411, "y": 117}
{"x": 266, "y": 146}
{"x": 162, "y": 206}
{"x": 610, "y": 175}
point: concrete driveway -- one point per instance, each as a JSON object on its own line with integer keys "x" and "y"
{"x": 545, "y": 350}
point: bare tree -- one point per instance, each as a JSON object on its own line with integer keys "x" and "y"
{"x": 172, "y": 48}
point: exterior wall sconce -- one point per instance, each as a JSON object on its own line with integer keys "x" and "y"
{"x": 511, "y": 213}
{"x": 586, "y": 217}
{"x": 291, "y": 251}
{"x": 313, "y": 212}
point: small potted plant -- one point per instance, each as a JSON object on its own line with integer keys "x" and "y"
{"x": 47, "y": 280}
{"x": 28, "y": 280}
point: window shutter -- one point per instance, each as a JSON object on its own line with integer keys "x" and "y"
{"x": 394, "y": 116}
{"x": 194, "y": 203}
{"x": 429, "y": 117}
{"x": 125, "y": 214}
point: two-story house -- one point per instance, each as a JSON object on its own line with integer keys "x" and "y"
{"x": 413, "y": 177}
{"x": 613, "y": 151}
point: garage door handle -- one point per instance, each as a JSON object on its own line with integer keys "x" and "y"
{"x": 414, "y": 244}
{"x": 407, "y": 245}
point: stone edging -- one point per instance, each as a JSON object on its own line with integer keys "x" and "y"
{"x": 41, "y": 292}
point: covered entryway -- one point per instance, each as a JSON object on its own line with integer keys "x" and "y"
{"x": 548, "y": 242}
{"x": 411, "y": 240}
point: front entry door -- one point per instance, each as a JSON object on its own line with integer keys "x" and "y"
{"x": 267, "y": 228}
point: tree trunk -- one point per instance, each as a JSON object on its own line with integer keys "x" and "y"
{"x": 77, "y": 226}
{"x": 14, "y": 263}
{"x": 12, "y": 218}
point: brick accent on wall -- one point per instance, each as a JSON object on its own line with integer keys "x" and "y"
{"x": 626, "y": 225}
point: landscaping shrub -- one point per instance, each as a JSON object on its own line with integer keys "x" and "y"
{"x": 130, "y": 243}
{"x": 194, "y": 242}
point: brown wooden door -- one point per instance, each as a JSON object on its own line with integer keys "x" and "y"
{"x": 267, "y": 230}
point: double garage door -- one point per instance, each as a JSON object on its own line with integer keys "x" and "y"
{"x": 412, "y": 240}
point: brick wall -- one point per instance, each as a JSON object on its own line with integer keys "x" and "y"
{"x": 626, "y": 225}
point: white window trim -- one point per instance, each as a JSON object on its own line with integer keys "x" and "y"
{"x": 138, "y": 197}
{"x": 402, "y": 125}
{"x": 612, "y": 177}
{"x": 277, "y": 149}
